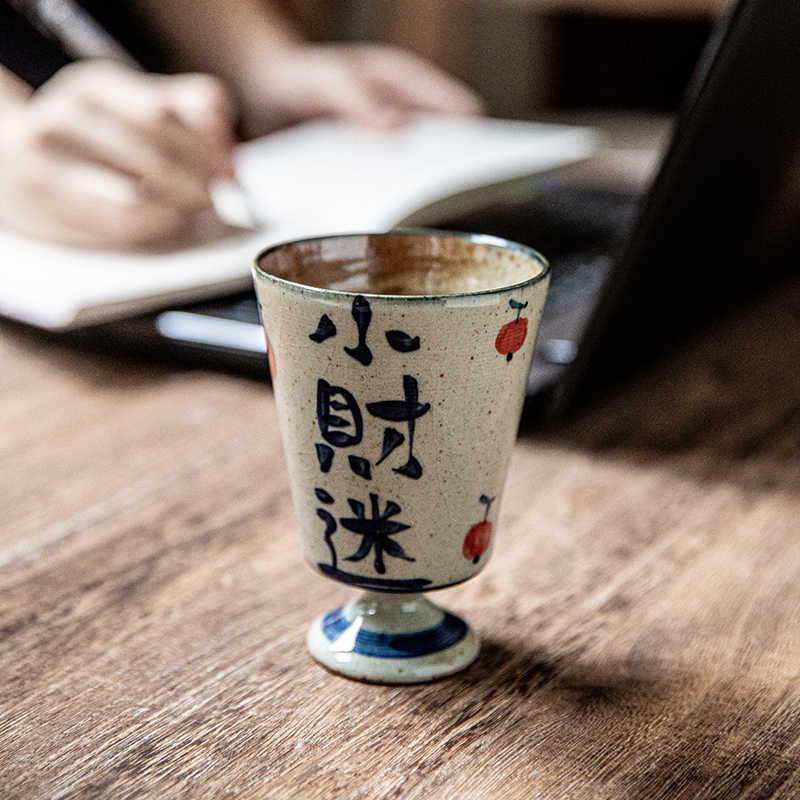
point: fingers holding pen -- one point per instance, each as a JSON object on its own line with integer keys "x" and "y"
{"x": 127, "y": 122}
{"x": 106, "y": 134}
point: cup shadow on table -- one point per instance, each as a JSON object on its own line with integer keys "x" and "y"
{"x": 537, "y": 698}
{"x": 622, "y": 726}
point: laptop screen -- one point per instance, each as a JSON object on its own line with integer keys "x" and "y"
{"x": 721, "y": 219}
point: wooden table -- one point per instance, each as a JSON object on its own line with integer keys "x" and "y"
{"x": 639, "y": 618}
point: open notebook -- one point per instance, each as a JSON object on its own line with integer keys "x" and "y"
{"x": 318, "y": 178}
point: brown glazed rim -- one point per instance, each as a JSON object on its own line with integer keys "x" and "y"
{"x": 474, "y": 238}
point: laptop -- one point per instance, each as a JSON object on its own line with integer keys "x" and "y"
{"x": 631, "y": 275}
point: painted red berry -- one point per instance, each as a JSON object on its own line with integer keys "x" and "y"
{"x": 273, "y": 367}
{"x": 477, "y": 540}
{"x": 512, "y": 335}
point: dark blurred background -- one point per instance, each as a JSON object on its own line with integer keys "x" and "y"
{"x": 525, "y": 57}
{"x": 522, "y": 56}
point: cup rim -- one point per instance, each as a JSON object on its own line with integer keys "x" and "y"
{"x": 475, "y": 238}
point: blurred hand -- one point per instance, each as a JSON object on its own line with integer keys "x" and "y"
{"x": 103, "y": 155}
{"x": 374, "y": 85}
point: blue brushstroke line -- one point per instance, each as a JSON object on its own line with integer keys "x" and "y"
{"x": 448, "y": 632}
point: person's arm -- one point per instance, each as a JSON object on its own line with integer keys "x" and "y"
{"x": 228, "y": 38}
{"x": 104, "y": 155}
{"x": 278, "y": 78}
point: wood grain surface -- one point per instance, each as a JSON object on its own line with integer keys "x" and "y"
{"x": 639, "y": 617}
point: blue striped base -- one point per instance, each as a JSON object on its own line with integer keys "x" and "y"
{"x": 451, "y": 630}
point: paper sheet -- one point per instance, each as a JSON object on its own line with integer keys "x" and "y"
{"x": 317, "y": 178}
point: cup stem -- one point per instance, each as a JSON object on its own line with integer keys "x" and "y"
{"x": 392, "y": 638}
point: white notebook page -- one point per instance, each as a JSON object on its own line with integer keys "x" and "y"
{"x": 317, "y": 178}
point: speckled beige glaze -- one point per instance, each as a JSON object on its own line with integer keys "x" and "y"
{"x": 452, "y": 292}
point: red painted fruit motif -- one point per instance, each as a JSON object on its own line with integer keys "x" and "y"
{"x": 512, "y": 335}
{"x": 479, "y": 535}
{"x": 273, "y": 367}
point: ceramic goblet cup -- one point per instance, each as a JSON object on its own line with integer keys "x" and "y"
{"x": 399, "y": 363}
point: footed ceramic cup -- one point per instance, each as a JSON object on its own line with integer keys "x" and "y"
{"x": 399, "y": 363}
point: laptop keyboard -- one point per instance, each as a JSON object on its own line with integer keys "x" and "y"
{"x": 242, "y": 309}
{"x": 575, "y": 279}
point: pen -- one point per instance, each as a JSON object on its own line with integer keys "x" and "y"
{"x": 233, "y": 204}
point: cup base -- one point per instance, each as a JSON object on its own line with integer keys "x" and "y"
{"x": 390, "y": 638}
